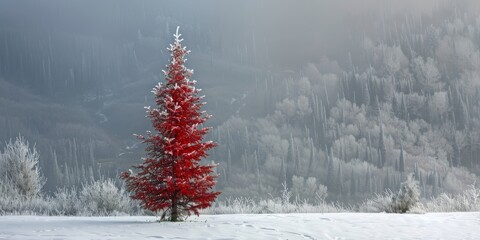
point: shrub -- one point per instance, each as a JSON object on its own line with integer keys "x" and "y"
{"x": 407, "y": 197}
{"x": 281, "y": 204}
{"x": 271, "y": 205}
{"x": 467, "y": 201}
{"x": 11, "y": 202}
{"x": 66, "y": 202}
{"x": 103, "y": 198}
{"x": 404, "y": 200}
{"x": 380, "y": 203}
{"x": 308, "y": 188}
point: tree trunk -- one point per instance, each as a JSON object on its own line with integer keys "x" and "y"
{"x": 174, "y": 215}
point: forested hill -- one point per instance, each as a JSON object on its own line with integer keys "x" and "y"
{"x": 408, "y": 101}
{"x": 345, "y": 104}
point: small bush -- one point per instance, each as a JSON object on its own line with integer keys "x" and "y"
{"x": 282, "y": 204}
{"x": 100, "y": 198}
{"x": 468, "y": 201}
{"x": 18, "y": 205}
{"x": 66, "y": 202}
{"x": 103, "y": 198}
{"x": 308, "y": 188}
{"x": 404, "y": 200}
{"x": 380, "y": 203}
{"x": 272, "y": 205}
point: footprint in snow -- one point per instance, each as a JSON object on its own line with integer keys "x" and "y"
{"x": 269, "y": 229}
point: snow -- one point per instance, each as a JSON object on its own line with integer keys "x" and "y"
{"x": 266, "y": 226}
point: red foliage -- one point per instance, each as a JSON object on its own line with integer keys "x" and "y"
{"x": 171, "y": 177}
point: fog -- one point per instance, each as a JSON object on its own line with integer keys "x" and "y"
{"x": 298, "y": 89}
{"x": 293, "y": 32}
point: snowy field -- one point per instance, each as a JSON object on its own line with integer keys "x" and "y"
{"x": 268, "y": 226}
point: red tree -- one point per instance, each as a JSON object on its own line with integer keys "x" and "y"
{"x": 171, "y": 177}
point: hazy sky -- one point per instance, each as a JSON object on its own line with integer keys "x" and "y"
{"x": 292, "y": 30}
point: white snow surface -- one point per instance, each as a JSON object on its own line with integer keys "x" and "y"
{"x": 265, "y": 226}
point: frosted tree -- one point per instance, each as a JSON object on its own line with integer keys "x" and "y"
{"x": 171, "y": 178}
{"x": 308, "y": 189}
{"x": 407, "y": 197}
{"x": 19, "y": 169}
{"x": 427, "y": 75}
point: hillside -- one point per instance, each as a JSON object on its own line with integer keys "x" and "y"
{"x": 326, "y": 99}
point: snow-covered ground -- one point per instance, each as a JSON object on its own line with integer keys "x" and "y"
{"x": 267, "y": 226}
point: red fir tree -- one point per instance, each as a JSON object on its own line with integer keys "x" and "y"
{"x": 171, "y": 178}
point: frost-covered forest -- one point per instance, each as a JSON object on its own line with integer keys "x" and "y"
{"x": 329, "y": 104}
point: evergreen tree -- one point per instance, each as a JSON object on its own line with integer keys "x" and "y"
{"x": 401, "y": 164}
{"x": 257, "y": 171}
{"x": 339, "y": 179}
{"x": 386, "y": 182}
{"x": 229, "y": 165}
{"x": 456, "y": 153}
{"x": 353, "y": 184}
{"x": 375, "y": 111}
{"x": 283, "y": 172}
{"x": 434, "y": 182}
{"x": 404, "y": 110}
{"x": 312, "y": 157}
{"x": 290, "y": 164}
{"x": 366, "y": 95}
{"x": 382, "y": 149}
{"x": 395, "y": 105}
{"x": 406, "y": 198}
{"x": 368, "y": 181}
{"x": 427, "y": 110}
{"x": 57, "y": 173}
{"x": 331, "y": 174}
{"x": 369, "y": 149}
{"x": 463, "y": 118}
{"x": 171, "y": 177}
